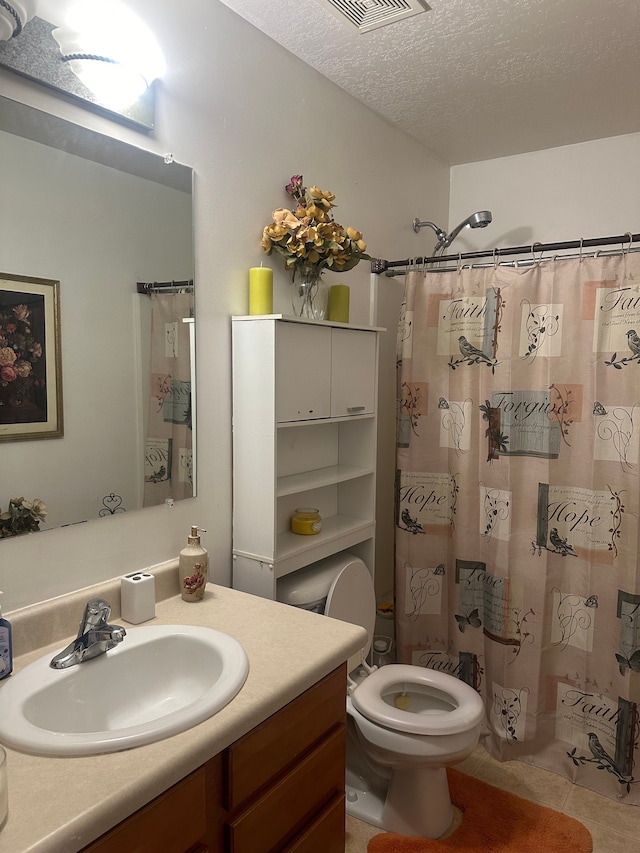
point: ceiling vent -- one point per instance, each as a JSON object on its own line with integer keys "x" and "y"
{"x": 366, "y": 15}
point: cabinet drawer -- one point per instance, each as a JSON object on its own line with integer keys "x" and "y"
{"x": 174, "y": 822}
{"x": 326, "y": 834}
{"x": 267, "y": 750}
{"x": 281, "y": 812}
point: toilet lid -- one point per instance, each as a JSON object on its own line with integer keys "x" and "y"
{"x": 351, "y": 598}
{"x": 368, "y": 698}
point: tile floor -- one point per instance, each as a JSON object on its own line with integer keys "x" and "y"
{"x": 614, "y": 827}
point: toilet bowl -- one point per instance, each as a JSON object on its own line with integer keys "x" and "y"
{"x": 406, "y": 724}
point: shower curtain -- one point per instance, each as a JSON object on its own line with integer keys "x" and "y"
{"x": 517, "y": 492}
{"x": 168, "y": 470}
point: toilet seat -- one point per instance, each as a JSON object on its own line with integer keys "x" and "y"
{"x": 368, "y": 699}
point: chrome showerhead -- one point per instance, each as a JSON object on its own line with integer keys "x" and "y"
{"x": 479, "y": 219}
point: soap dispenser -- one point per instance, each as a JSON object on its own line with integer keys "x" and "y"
{"x": 193, "y": 567}
{"x": 6, "y": 647}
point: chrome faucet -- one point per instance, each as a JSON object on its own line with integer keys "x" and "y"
{"x": 95, "y": 636}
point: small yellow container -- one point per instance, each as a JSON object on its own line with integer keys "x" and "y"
{"x": 306, "y": 521}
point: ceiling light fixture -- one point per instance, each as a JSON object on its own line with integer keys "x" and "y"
{"x": 367, "y": 15}
{"x": 110, "y": 50}
{"x": 14, "y": 14}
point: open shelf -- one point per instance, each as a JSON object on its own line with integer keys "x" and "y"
{"x": 338, "y": 533}
{"x": 308, "y": 480}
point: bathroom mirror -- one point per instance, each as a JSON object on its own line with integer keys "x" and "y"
{"x": 98, "y": 216}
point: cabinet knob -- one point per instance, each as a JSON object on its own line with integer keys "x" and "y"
{"x": 355, "y": 408}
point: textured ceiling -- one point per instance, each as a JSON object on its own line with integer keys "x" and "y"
{"x": 476, "y": 80}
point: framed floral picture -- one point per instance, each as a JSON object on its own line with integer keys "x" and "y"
{"x": 30, "y": 358}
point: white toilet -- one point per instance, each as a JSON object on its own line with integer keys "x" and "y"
{"x": 406, "y": 724}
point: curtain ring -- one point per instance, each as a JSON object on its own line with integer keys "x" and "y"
{"x": 495, "y": 261}
{"x": 535, "y": 260}
{"x": 630, "y": 236}
{"x": 580, "y": 256}
{"x": 459, "y": 264}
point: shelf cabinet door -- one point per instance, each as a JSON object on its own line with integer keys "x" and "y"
{"x": 324, "y": 373}
{"x": 353, "y": 372}
{"x": 303, "y": 372}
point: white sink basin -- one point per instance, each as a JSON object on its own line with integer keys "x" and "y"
{"x": 161, "y": 680}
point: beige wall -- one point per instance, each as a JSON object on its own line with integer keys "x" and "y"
{"x": 586, "y": 190}
{"x": 246, "y": 115}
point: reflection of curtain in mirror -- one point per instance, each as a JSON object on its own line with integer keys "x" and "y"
{"x": 168, "y": 471}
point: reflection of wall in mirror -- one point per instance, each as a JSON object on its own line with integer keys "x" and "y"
{"x": 98, "y": 231}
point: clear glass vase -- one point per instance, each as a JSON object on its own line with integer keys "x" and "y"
{"x": 309, "y": 295}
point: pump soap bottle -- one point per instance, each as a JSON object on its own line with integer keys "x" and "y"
{"x": 6, "y": 647}
{"x": 193, "y": 567}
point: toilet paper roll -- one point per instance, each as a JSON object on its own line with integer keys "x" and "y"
{"x": 138, "y": 595}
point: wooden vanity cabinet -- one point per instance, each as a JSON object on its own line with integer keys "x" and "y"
{"x": 278, "y": 788}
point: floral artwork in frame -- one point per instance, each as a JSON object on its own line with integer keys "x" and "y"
{"x": 30, "y": 358}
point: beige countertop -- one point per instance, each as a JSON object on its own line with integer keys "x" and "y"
{"x": 58, "y": 805}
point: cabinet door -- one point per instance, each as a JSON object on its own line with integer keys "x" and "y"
{"x": 303, "y": 372}
{"x": 353, "y": 372}
{"x": 174, "y": 822}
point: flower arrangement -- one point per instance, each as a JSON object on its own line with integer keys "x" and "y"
{"x": 19, "y": 352}
{"x": 309, "y": 236}
{"x": 22, "y": 517}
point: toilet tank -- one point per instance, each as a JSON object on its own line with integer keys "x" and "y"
{"x": 339, "y": 586}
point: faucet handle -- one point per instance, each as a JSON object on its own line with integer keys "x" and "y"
{"x": 96, "y": 612}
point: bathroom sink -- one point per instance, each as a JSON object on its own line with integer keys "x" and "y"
{"x": 159, "y": 681}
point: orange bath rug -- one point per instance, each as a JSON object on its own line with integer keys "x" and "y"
{"x": 494, "y": 821}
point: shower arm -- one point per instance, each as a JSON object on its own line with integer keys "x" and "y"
{"x": 444, "y": 239}
{"x": 417, "y": 225}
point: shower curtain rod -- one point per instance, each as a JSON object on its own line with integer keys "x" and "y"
{"x": 379, "y": 265}
{"x": 148, "y": 287}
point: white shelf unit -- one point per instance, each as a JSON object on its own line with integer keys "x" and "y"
{"x": 304, "y": 434}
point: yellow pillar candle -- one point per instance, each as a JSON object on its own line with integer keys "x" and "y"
{"x": 260, "y": 290}
{"x": 339, "y": 303}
